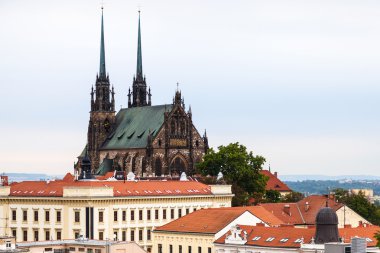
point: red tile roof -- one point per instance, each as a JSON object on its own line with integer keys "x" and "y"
{"x": 274, "y": 183}
{"x": 120, "y": 188}
{"x": 213, "y": 220}
{"x": 290, "y": 237}
{"x": 302, "y": 212}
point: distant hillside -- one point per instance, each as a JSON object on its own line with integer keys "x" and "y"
{"x": 325, "y": 177}
{"x": 17, "y": 177}
{"x": 309, "y": 187}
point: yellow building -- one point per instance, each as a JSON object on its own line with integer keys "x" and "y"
{"x": 101, "y": 209}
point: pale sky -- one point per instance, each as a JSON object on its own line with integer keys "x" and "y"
{"x": 295, "y": 81}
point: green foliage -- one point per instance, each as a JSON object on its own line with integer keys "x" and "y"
{"x": 360, "y": 204}
{"x": 239, "y": 167}
{"x": 377, "y": 236}
{"x": 272, "y": 196}
{"x": 292, "y": 197}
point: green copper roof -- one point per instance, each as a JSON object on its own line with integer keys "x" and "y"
{"x": 104, "y": 167}
{"x": 133, "y": 125}
{"x": 139, "y": 72}
{"x": 102, "y": 67}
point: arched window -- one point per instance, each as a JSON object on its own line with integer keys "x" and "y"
{"x": 177, "y": 166}
{"x": 183, "y": 127}
{"x": 158, "y": 167}
{"x": 107, "y": 125}
{"x": 172, "y": 127}
{"x": 134, "y": 164}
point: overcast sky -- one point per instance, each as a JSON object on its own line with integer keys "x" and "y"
{"x": 294, "y": 81}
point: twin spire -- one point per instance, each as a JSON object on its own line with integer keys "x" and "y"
{"x": 139, "y": 73}
{"x": 102, "y": 68}
{"x": 140, "y": 95}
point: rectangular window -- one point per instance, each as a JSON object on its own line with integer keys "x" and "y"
{"x": 140, "y": 214}
{"x": 101, "y": 217}
{"x": 124, "y": 235}
{"x": 124, "y": 215}
{"x": 159, "y": 248}
{"x": 72, "y": 249}
{"x": 140, "y": 235}
{"x": 77, "y": 216}
{"x": 58, "y": 216}
{"x": 81, "y": 249}
{"x": 101, "y": 235}
{"x": 209, "y": 250}
{"x": 59, "y": 235}
{"x": 156, "y": 214}
{"x": 148, "y": 214}
{"x": 179, "y": 213}
{"x": 76, "y": 234}
{"x": 199, "y": 249}
{"x": 115, "y": 237}
{"x": 35, "y": 215}
{"x": 25, "y": 235}
{"x": 164, "y": 214}
{"x": 170, "y": 248}
{"x": 36, "y": 235}
{"x": 14, "y": 233}
{"x": 180, "y": 249}
{"x": 132, "y": 214}
{"x": 47, "y": 216}
{"x": 24, "y": 215}
{"x": 132, "y": 235}
{"x": 114, "y": 215}
{"x": 47, "y": 235}
{"x": 171, "y": 213}
{"x": 148, "y": 234}
{"x": 14, "y": 215}
{"x": 187, "y": 211}
{"x": 189, "y": 249}
{"x": 98, "y": 251}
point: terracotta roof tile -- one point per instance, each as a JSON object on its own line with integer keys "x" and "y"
{"x": 302, "y": 212}
{"x": 290, "y": 237}
{"x": 274, "y": 183}
{"x": 212, "y": 220}
{"x": 120, "y": 188}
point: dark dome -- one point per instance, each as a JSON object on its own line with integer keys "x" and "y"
{"x": 326, "y": 216}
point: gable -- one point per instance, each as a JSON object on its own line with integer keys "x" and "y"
{"x": 133, "y": 125}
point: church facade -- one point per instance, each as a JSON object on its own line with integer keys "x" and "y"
{"x": 148, "y": 140}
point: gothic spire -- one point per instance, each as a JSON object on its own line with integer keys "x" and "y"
{"x": 139, "y": 73}
{"x": 102, "y": 67}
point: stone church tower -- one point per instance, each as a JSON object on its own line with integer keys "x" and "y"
{"x": 148, "y": 140}
{"x": 102, "y": 114}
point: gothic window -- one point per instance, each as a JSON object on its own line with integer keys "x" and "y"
{"x": 143, "y": 166}
{"x": 158, "y": 167}
{"x": 183, "y": 127}
{"x": 159, "y": 143}
{"x": 134, "y": 164}
{"x": 177, "y": 166}
{"x": 172, "y": 127}
{"x": 197, "y": 143}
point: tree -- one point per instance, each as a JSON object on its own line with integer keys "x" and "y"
{"x": 239, "y": 167}
{"x": 272, "y": 196}
{"x": 360, "y": 204}
{"x": 292, "y": 197}
{"x": 377, "y": 236}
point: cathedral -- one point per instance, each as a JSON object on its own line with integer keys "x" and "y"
{"x": 146, "y": 139}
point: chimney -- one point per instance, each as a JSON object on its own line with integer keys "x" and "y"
{"x": 275, "y": 174}
{"x": 307, "y": 206}
{"x": 287, "y": 209}
{"x": 360, "y": 223}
